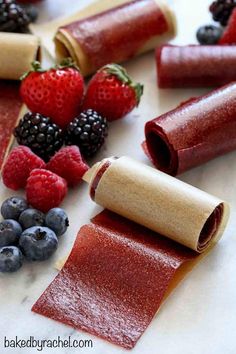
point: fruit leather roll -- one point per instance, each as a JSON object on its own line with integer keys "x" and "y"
{"x": 193, "y": 133}
{"x": 158, "y": 201}
{"x": 120, "y": 272}
{"x": 115, "y": 31}
{"x": 195, "y": 65}
{"x": 17, "y": 53}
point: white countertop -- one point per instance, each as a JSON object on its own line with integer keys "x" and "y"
{"x": 200, "y": 316}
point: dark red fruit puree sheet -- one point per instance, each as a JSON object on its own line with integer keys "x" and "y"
{"x": 114, "y": 279}
{"x": 10, "y": 106}
{"x": 195, "y": 65}
{"x": 193, "y": 133}
{"x": 118, "y": 34}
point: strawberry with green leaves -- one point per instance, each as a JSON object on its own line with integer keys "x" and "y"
{"x": 56, "y": 93}
{"x": 112, "y": 93}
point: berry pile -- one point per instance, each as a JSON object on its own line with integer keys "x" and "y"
{"x": 28, "y": 233}
{"x": 224, "y": 12}
{"x": 46, "y": 185}
{"x": 58, "y": 93}
{"x": 62, "y": 114}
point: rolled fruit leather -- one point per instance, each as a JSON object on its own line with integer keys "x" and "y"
{"x": 195, "y": 65}
{"x": 119, "y": 273}
{"x": 114, "y": 31}
{"x": 17, "y": 53}
{"x": 158, "y": 201}
{"x": 193, "y": 133}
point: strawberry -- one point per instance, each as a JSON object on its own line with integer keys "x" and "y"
{"x": 229, "y": 35}
{"x": 112, "y": 93}
{"x": 56, "y": 93}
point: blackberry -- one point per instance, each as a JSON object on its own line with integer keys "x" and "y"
{"x": 13, "y": 18}
{"x": 88, "y": 131}
{"x": 42, "y": 136}
{"x": 209, "y": 34}
{"x": 221, "y": 10}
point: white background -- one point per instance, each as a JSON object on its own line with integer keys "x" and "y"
{"x": 200, "y": 316}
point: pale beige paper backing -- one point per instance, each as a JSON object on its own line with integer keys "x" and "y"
{"x": 17, "y": 53}
{"x": 158, "y": 201}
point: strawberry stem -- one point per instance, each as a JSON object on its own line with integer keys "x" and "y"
{"x": 67, "y": 63}
{"x": 122, "y": 75}
{"x": 36, "y": 67}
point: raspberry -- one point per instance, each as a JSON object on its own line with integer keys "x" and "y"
{"x": 45, "y": 190}
{"x": 68, "y": 163}
{"x": 18, "y": 166}
{"x": 229, "y": 35}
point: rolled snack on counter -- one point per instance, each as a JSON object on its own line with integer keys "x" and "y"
{"x": 195, "y": 65}
{"x": 193, "y": 133}
{"x": 11, "y": 109}
{"x": 117, "y": 31}
{"x": 159, "y": 202}
{"x": 17, "y": 53}
{"x": 119, "y": 272}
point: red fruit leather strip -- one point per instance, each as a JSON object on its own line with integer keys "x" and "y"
{"x": 194, "y": 132}
{"x": 195, "y": 65}
{"x": 118, "y": 34}
{"x": 10, "y": 106}
{"x": 114, "y": 279}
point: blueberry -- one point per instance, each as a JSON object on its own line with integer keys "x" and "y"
{"x": 10, "y": 231}
{"x": 209, "y": 34}
{"x": 38, "y": 243}
{"x": 57, "y": 220}
{"x": 12, "y": 207}
{"x": 31, "y": 217}
{"x": 11, "y": 259}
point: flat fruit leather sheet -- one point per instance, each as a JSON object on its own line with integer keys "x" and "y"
{"x": 115, "y": 279}
{"x": 10, "y": 112}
